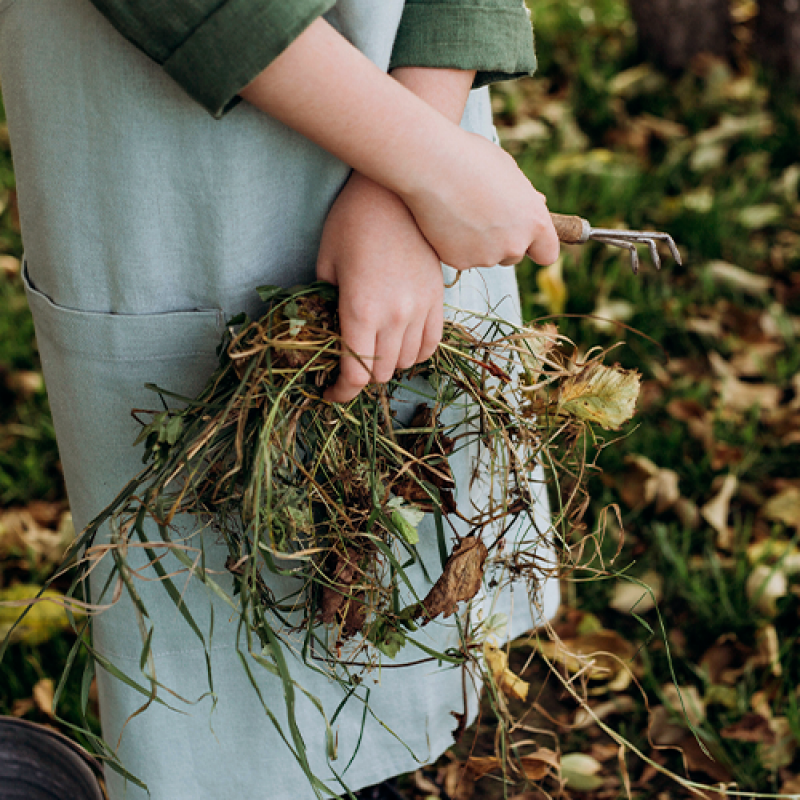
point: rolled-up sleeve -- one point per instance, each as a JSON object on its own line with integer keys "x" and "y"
{"x": 212, "y": 48}
{"x": 494, "y": 37}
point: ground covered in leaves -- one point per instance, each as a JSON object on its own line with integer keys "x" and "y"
{"x": 695, "y": 512}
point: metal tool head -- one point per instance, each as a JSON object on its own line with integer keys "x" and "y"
{"x": 629, "y": 240}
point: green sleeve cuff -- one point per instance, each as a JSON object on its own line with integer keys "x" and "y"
{"x": 235, "y": 44}
{"x": 493, "y": 37}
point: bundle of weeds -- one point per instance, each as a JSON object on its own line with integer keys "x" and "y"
{"x": 331, "y": 495}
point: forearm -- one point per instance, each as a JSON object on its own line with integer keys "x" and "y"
{"x": 324, "y": 88}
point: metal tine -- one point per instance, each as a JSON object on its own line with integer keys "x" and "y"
{"x": 642, "y": 237}
{"x": 630, "y": 246}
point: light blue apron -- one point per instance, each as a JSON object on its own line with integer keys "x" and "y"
{"x": 147, "y": 224}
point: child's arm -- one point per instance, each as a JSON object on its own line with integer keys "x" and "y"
{"x": 468, "y": 197}
{"x": 389, "y": 277}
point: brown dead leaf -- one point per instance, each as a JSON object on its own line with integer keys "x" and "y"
{"x": 769, "y": 649}
{"x": 726, "y": 660}
{"x": 725, "y": 455}
{"x": 756, "y": 359}
{"x": 460, "y": 581}
{"x": 425, "y": 786}
{"x": 685, "y": 702}
{"x": 603, "y": 655}
{"x": 43, "y": 693}
{"x": 586, "y": 717}
{"x": 646, "y": 483}
{"x": 43, "y": 530}
{"x": 22, "y": 706}
{"x": 736, "y": 396}
{"x": 697, "y": 417}
{"x": 697, "y": 760}
{"x": 687, "y": 512}
{"x": 458, "y": 783}
{"x": 536, "y": 766}
{"x": 784, "y": 507}
{"x": 715, "y": 511}
{"x": 25, "y": 382}
{"x": 721, "y": 272}
{"x": 751, "y": 727}
{"x": 9, "y": 266}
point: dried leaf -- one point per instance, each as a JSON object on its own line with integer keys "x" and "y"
{"x": 715, "y": 511}
{"x": 685, "y": 702}
{"x": 579, "y": 771}
{"x": 769, "y": 649}
{"x": 647, "y": 483}
{"x": 600, "y": 394}
{"x": 511, "y": 685}
{"x": 765, "y": 586}
{"x": 738, "y": 278}
{"x": 43, "y": 694}
{"x": 608, "y": 311}
{"x": 45, "y": 618}
{"x": 784, "y": 507}
{"x": 630, "y": 597}
{"x": 553, "y": 290}
{"x": 9, "y": 266}
{"x": 460, "y": 581}
{"x": 585, "y": 717}
{"x": 602, "y": 655}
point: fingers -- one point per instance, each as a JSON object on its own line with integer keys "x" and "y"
{"x": 356, "y": 364}
{"x": 545, "y": 247}
{"x": 383, "y": 352}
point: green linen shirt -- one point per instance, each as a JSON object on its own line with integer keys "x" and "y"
{"x": 214, "y": 48}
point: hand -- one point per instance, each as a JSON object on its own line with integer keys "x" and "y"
{"x": 468, "y": 197}
{"x": 478, "y": 209}
{"x": 391, "y": 291}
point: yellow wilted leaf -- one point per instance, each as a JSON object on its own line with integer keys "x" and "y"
{"x": 510, "y": 685}
{"x": 602, "y": 655}
{"x": 45, "y": 618}
{"x": 552, "y": 287}
{"x": 600, "y": 394}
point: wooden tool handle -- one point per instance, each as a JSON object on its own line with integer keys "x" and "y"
{"x": 571, "y": 229}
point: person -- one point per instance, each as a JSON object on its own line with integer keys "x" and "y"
{"x": 171, "y": 157}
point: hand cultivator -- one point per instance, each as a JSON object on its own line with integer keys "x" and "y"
{"x": 576, "y": 230}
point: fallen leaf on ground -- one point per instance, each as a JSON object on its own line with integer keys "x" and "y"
{"x": 631, "y": 597}
{"x": 765, "y": 586}
{"x": 586, "y": 717}
{"x": 646, "y": 483}
{"x": 43, "y": 694}
{"x": 45, "y": 618}
{"x": 715, "y": 511}
{"x": 553, "y": 290}
{"x": 738, "y": 278}
{"x": 603, "y": 655}
{"x": 510, "y": 685}
{"x": 784, "y": 507}
{"x": 579, "y": 771}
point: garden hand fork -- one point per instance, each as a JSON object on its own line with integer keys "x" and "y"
{"x": 576, "y": 230}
